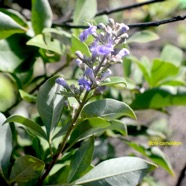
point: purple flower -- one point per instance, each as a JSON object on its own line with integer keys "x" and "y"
{"x": 90, "y": 74}
{"x": 122, "y": 53}
{"x": 86, "y": 84}
{"x": 101, "y": 49}
{"x": 83, "y": 36}
{"x": 63, "y": 83}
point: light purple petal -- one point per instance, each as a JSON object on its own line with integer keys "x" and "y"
{"x": 86, "y": 84}
{"x": 83, "y": 36}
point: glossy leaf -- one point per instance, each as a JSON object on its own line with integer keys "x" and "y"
{"x": 6, "y": 146}
{"x": 118, "y": 171}
{"x": 34, "y": 127}
{"x": 143, "y": 37}
{"x": 118, "y": 126}
{"x": 16, "y": 16}
{"x": 45, "y": 41}
{"x": 88, "y": 127}
{"x": 50, "y": 104}
{"x": 172, "y": 54}
{"x": 27, "y": 97}
{"x": 77, "y": 45}
{"x": 41, "y": 15}
{"x": 9, "y": 26}
{"x": 107, "y": 108}
{"x": 25, "y": 169}
{"x": 113, "y": 81}
{"x": 80, "y": 163}
{"x": 160, "y": 97}
{"x": 83, "y": 12}
{"x": 15, "y": 55}
{"x": 154, "y": 154}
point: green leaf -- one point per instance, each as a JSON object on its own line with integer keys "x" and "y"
{"x": 6, "y": 146}
{"x": 27, "y": 97}
{"x": 172, "y": 54}
{"x": 78, "y": 45}
{"x": 162, "y": 70}
{"x": 84, "y": 11}
{"x": 45, "y": 41}
{"x": 50, "y": 104}
{"x": 80, "y": 163}
{"x": 154, "y": 154}
{"x": 34, "y": 127}
{"x": 107, "y": 108}
{"x": 159, "y": 97}
{"x": 16, "y": 16}
{"x": 88, "y": 127}
{"x": 118, "y": 126}
{"x": 15, "y": 55}
{"x": 9, "y": 26}
{"x": 7, "y": 93}
{"x": 101, "y": 19}
{"x": 118, "y": 171}
{"x": 41, "y": 15}
{"x": 113, "y": 81}
{"x": 26, "y": 168}
{"x": 143, "y": 37}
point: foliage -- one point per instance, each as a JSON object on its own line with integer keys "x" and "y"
{"x": 56, "y": 130}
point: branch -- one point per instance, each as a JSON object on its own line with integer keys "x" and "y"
{"x": 111, "y": 11}
{"x": 135, "y": 25}
{"x": 107, "y": 12}
{"x": 181, "y": 177}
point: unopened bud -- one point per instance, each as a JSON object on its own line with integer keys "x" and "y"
{"x": 111, "y": 22}
{"x": 63, "y": 83}
{"x": 90, "y": 74}
{"x": 106, "y": 74}
{"x": 79, "y": 55}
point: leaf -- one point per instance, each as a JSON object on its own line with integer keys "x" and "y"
{"x": 45, "y": 41}
{"x": 113, "y": 81}
{"x": 27, "y": 97}
{"x": 154, "y": 154}
{"x": 9, "y": 26}
{"x": 41, "y": 15}
{"x": 15, "y": 55}
{"x": 16, "y": 16}
{"x": 107, "y": 108}
{"x": 83, "y": 12}
{"x": 25, "y": 169}
{"x": 80, "y": 163}
{"x": 118, "y": 126}
{"x": 101, "y": 19}
{"x": 87, "y": 128}
{"x": 77, "y": 45}
{"x": 143, "y": 37}
{"x": 118, "y": 171}
{"x": 50, "y": 104}
{"x": 162, "y": 70}
{"x": 159, "y": 97}
{"x": 34, "y": 127}
{"x": 6, "y": 146}
{"x": 172, "y": 54}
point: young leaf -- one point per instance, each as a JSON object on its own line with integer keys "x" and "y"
{"x": 5, "y": 145}
{"x": 27, "y": 97}
{"x": 80, "y": 163}
{"x": 88, "y": 127}
{"x": 154, "y": 154}
{"x": 9, "y": 26}
{"x": 143, "y": 37}
{"x": 83, "y": 12}
{"x": 41, "y": 15}
{"x": 26, "y": 168}
{"x": 34, "y": 127}
{"x": 107, "y": 108}
{"x": 78, "y": 45}
{"x": 113, "y": 81}
{"x": 50, "y": 104}
{"x": 118, "y": 171}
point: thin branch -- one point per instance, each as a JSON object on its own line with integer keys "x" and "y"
{"x": 111, "y": 11}
{"x": 135, "y": 25}
{"x": 181, "y": 176}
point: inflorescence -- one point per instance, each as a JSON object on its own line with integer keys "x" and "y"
{"x": 105, "y": 51}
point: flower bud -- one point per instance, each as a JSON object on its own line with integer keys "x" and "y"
{"x": 122, "y": 29}
{"x": 63, "y": 83}
{"x": 106, "y": 74}
{"x": 111, "y": 22}
{"x": 79, "y": 55}
{"x": 90, "y": 74}
{"x": 99, "y": 90}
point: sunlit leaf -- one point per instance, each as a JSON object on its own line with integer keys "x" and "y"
{"x": 27, "y": 97}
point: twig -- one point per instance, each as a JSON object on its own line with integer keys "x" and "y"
{"x": 135, "y": 25}
{"x": 111, "y": 11}
{"x": 181, "y": 176}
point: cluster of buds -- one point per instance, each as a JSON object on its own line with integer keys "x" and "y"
{"x": 105, "y": 51}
